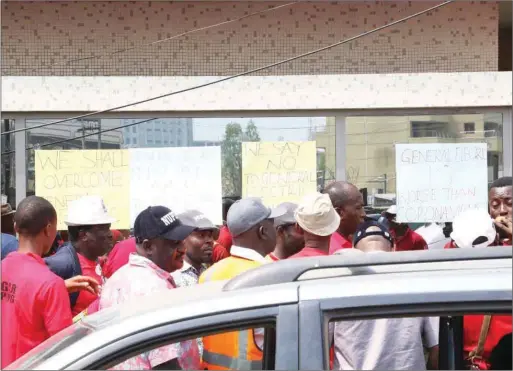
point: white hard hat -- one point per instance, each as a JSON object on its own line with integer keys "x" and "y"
{"x": 470, "y": 225}
{"x": 88, "y": 210}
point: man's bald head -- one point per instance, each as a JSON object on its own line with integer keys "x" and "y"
{"x": 33, "y": 215}
{"x": 348, "y": 202}
{"x": 341, "y": 193}
{"x": 373, "y": 242}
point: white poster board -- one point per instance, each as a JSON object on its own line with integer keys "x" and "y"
{"x": 181, "y": 178}
{"x": 437, "y": 181}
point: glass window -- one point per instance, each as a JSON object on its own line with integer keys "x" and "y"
{"x": 8, "y": 164}
{"x": 263, "y": 339}
{"x": 225, "y": 132}
{"x": 370, "y": 144}
{"x": 470, "y": 127}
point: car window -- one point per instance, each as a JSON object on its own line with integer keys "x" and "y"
{"x": 50, "y": 347}
{"x": 64, "y": 339}
{"x": 255, "y": 349}
{"x": 415, "y": 342}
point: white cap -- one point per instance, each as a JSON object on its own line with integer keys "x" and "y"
{"x": 88, "y": 210}
{"x": 316, "y": 215}
{"x": 392, "y": 210}
{"x": 470, "y": 225}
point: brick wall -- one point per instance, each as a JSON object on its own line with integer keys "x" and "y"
{"x": 39, "y": 38}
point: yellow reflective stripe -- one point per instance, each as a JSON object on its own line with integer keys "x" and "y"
{"x": 239, "y": 363}
{"x": 207, "y": 275}
{"x": 80, "y": 316}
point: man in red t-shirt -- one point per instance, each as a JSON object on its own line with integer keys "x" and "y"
{"x": 90, "y": 238}
{"x": 289, "y": 240}
{"x": 316, "y": 220}
{"x": 348, "y": 203}
{"x": 35, "y": 302}
{"x": 118, "y": 256}
{"x": 224, "y": 241}
{"x": 405, "y": 239}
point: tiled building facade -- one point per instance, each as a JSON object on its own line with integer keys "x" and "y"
{"x": 441, "y": 71}
{"x": 84, "y": 38}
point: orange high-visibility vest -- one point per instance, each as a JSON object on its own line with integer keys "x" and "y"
{"x": 234, "y": 350}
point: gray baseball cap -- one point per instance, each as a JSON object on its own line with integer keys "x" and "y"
{"x": 196, "y": 219}
{"x": 248, "y": 212}
{"x": 288, "y": 217}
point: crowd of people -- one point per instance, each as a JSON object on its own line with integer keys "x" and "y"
{"x": 47, "y": 284}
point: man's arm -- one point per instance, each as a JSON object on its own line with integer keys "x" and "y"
{"x": 430, "y": 334}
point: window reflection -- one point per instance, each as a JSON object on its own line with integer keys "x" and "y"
{"x": 8, "y": 164}
{"x": 228, "y": 133}
{"x": 371, "y": 154}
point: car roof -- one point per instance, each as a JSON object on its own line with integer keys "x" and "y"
{"x": 324, "y": 282}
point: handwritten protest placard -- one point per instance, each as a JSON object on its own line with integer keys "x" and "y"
{"x": 278, "y": 171}
{"x": 437, "y": 181}
{"x": 62, "y": 176}
{"x": 180, "y": 178}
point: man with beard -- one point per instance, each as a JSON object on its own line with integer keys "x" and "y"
{"x": 199, "y": 246}
{"x": 289, "y": 240}
{"x": 89, "y": 238}
{"x": 160, "y": 250}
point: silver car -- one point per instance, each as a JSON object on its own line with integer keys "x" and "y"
{"x": 294, "y": 300}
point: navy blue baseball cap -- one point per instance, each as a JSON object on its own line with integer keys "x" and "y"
{"x": 361, "y": 232}
{"x": 160, "y": 222}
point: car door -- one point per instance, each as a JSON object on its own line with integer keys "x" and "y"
{"x": 411, "y": 294}
{"x": 280, "y": 342}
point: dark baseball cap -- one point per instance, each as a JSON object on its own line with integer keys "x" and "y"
{"x": 361, "y": 232}
{"x": 196, "y": 219}
{"x": 289, "y": 216}
{"x": 160, "y": 222}
{"x": 248, "y": 212}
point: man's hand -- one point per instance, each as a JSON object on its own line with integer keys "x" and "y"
{"x": 79, "y": 283}
{"x": 505, "y": 225}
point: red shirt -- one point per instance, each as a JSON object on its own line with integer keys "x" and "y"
{"x": 225, "y": 238}
{"x": 499, "y": 326}
{"x": 450, "y": 245}
{"x": 118, "y": 257}
{"x": 35, "y": 305}
{"x": 339, "y": 242}
{"x": 309, "y": 251}
{"x": 409, "y": 242}
{"x": 272, "y": 257}
{"x": 219, "y": 253}
{"x": 85, "y": 298}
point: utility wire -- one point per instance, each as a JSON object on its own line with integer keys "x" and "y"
{"x": 242, "y": 73}
{"x": 260, "y": 129}
{"x": 119, "y": 51}
{"x": 274, "y": 128}
{"x": 81, "y": 136}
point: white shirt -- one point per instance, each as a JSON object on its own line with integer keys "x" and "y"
{"x": 244, "y": 252}
{"x": 384, "y": 344}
